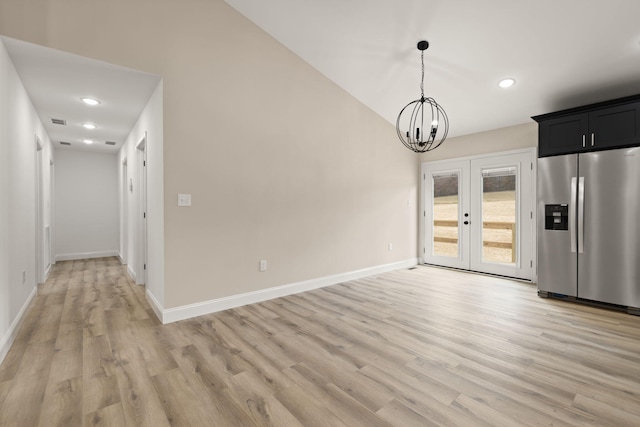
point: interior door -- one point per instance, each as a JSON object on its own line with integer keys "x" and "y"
{"x": 479, "y": 214}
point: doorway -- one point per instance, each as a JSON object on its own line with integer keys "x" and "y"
{"x": 478, "y": 213}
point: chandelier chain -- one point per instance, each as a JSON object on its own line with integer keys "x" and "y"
{"x": 422, "y": 81}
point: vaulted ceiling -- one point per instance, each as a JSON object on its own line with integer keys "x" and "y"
{"x": 562, "y": 53}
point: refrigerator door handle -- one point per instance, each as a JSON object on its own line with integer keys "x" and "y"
{"x": 581, "y": 215}
{"x": 572, "y": 214}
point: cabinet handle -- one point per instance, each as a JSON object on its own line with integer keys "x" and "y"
{"x": 583, "y": 141}
{"x": 593, "y": 139}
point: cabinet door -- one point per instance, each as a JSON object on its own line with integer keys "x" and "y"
{"x": 563, "y": 135}
{"x": 614, "y": 127}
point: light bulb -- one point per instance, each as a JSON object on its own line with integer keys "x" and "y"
{"x": 505, "y": 83}
{"x": 90, "y": 101}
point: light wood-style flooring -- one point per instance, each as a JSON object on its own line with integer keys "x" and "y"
{"x": 417, "y": 347}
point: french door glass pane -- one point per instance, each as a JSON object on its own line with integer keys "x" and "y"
{"x": 499, "y": 215}
{"x": 446, "y": 233}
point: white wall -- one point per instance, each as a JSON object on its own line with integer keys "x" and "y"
{"x": 87, "y": 213}
{"x": 150, "y": 124}
{"x": 19, "y": 126}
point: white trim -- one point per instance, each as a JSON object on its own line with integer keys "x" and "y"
{"x": 7, "y": 340}
{"x": 155, "y": 305}
{"x": 132, "y": 273}
{"x": 86, "y": 255}
{"x": 141, "y": 252}
{"x": 206, "y": 307}
{"x": 532, "y": 150}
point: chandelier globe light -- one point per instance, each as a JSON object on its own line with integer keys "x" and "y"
{"x": 412, "y": 119}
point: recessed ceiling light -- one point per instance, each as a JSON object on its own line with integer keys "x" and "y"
{"x": 87, "y": 141}
{"x": 88, "y": 126}
{"x": 505, "y": 83}
{"x": 90, "y": 101}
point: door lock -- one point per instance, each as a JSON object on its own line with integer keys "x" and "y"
{"x": 466, "y": 223}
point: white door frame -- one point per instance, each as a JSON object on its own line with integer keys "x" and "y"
{"x": 427, "y": 167}
{"x": 39, "y": 190}
{"x": 525, "y": 202}
{"x": 50, "y": 211}
{"x": 461, "y": 169}
{"x": 124, "y": 206}
{"x": 141, "y": 274}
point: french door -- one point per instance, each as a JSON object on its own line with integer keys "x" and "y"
{"x": 478, "y": 214}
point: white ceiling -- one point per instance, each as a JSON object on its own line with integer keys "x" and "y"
{"x": 55, "y": 82}
{"x": 562, "y": 53}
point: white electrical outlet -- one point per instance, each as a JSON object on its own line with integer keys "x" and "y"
{"x": 184, "y": 200}
{"x": 390, "y": 247}
{"x": 263, "y": 265}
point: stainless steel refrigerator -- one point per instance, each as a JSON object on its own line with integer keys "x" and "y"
{"x": 589, "y": 226}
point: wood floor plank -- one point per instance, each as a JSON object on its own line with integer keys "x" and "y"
{"x": 106, "y": 417}
{"x": 141, "y": 404}
{"x": 253, "y": 360}
{"x": 210, "y": 384}
{"x": 62, "y": 405}
{"x": 259, "y": 402}
{"x": 5, "y": 386}
{"x": 23, "y": 402}
{"x": 12, "y": 360}
{"x": 415, "y": 347}
{"x": 182, "y": 406}
{"x": 302, "y": 402}
{"x": 154, "y": 349}
{"x": 398, "y": 414}
{"x": 348, "y": 409}
{"x": 99, "y": 393}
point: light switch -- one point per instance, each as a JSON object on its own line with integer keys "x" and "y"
{"x": 184, "y": 199}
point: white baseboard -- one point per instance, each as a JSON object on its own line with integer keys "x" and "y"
{"x": 7, "y": 340}
{"x": 155, "y": 305}
{"x": 206, "y": 307}
{"x": 132, "y": 273}
{"x": 86, "y": 255}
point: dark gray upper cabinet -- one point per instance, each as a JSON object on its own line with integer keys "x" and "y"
{"x": 601, "y": 126}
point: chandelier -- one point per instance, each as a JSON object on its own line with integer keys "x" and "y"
{"x": 412, "y": 118}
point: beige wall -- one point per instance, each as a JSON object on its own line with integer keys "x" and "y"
{"x": 282, "y": 164}
{"x": 493, "y": 141}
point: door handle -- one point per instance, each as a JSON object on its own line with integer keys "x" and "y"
{"x": 572, "y": 213}
{"x": 581, "y": 215}
{"x": 593, "y": 139}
